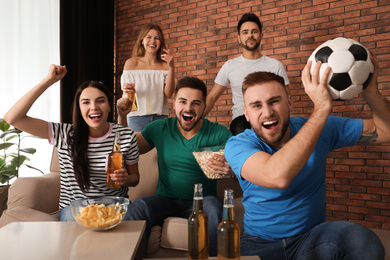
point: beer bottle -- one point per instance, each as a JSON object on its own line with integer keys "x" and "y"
{"x": 198, "y": 229}
{"x": 228, "y": 240}
{"x": 114, "y": 162}
{"x": 133, "y": 97}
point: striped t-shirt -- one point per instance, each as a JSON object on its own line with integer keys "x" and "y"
{"x": 98, "y": 149}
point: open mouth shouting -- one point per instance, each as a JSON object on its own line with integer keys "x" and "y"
{"x": 187, "y": 117}
{"x": 270, "y": 125}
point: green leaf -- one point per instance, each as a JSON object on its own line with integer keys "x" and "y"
{"x": 32, "y": 167}
{"x": 6, "y": 176}
{"x": 22, "y": 158}
{"x": 15, "y": 156}
{"x": 28, "y": 150}
{"x": 11, "y": 160}
{"x": 11, "y": 137}
{"x": 4, "y": 126}
{"x": 5, "y": 145}
{"x": 7, "y": 167}
{"x": 10, "y": 131}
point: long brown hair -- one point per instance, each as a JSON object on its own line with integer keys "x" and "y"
{"x": 78, "y": 136}
{"x": 139, "y": 50}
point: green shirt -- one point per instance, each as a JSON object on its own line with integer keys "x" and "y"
{"x": 178, "y": 169}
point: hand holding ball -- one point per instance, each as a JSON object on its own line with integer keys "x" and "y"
{"x": 350, "y": 63}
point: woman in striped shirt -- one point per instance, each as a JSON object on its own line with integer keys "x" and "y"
{"x": 84, "y": 145}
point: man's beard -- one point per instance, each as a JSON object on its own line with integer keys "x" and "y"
{"x": 246, "y": 47}
{"x": 276, "y": 139}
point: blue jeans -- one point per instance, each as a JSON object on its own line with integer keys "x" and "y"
{"x": 155, "y": 209}
{"x": 329, "y": 240}
{"x": 137, "y": 123}
{"x": 66, "y": 214}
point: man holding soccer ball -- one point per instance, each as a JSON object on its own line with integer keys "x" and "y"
{"x": 281, "y": 163}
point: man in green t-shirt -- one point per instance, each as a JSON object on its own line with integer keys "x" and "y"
{"x": 175, "y": 138}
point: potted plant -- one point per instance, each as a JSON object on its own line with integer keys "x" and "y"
{"x": 12, "y": 157}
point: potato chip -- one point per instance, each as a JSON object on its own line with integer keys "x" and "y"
{"x": 99, "y": 215}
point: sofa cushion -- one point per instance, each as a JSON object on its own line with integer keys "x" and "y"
{"x": 40, "y": 193}
{"x": 175, "y": 233}
{"x": 23, "y": 213}
{"x": 154, "y": 240}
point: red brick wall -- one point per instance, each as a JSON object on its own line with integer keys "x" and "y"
{"x": 202, "y": 35}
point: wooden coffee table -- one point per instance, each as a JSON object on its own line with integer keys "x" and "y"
{"x": 69, "y": 240}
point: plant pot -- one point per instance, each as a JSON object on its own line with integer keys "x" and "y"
{"x": 3, "y": 198}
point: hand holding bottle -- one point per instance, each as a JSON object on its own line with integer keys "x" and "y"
{"x": 123, "y": 106}
{"x": 114, "y": 164}
{"x": 119, "y": 176}
{"x": 128, "y": 88}
{"x": 130, "y": 93}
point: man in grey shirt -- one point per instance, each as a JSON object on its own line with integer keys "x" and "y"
{"x": 234, "y": 71}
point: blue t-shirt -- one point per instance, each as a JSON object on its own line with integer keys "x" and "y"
{"x": 177, "y": 167}
{"x": 273, "y": 214}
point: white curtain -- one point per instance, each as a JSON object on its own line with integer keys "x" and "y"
{"x": 29, "y": 43}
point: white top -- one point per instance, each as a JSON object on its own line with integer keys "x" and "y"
{"x": 234, "y": 71}
{"x": 149, "y": 86}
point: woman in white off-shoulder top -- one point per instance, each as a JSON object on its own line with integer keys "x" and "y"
{"x": 151, "y": 72}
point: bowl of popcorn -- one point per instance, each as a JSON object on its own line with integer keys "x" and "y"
{"x": 202, "y": 156}
{"x": 100, "y": 213}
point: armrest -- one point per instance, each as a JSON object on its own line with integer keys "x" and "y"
{"x": 40, "y": 193}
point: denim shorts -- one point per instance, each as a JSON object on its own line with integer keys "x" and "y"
{"x": 137, "y": 123}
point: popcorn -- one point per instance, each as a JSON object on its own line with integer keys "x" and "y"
{"x": 203, "y": 157}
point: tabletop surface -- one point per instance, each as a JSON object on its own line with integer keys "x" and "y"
{"x": 69, "y": 240}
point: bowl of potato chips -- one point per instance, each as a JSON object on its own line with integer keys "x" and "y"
{"x": 100, "y": 213}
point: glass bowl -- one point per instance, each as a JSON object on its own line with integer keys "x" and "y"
{"x": 202, "y": 156}
{"x": 100, "y": 213}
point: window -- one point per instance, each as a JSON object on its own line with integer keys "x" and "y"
{"x": 29, "y": 43}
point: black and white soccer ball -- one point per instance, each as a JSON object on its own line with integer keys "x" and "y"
{"x": 350, "y": 63}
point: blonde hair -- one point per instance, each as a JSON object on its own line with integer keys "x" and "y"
{"x": 139, "y": 50}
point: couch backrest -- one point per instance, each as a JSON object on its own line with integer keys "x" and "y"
{"x": 148, "y": 170}
{"x": 230, "y": 183}
{"x": 54, "y": 163}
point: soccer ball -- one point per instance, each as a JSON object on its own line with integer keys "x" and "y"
{"x": 350, "y": 63}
